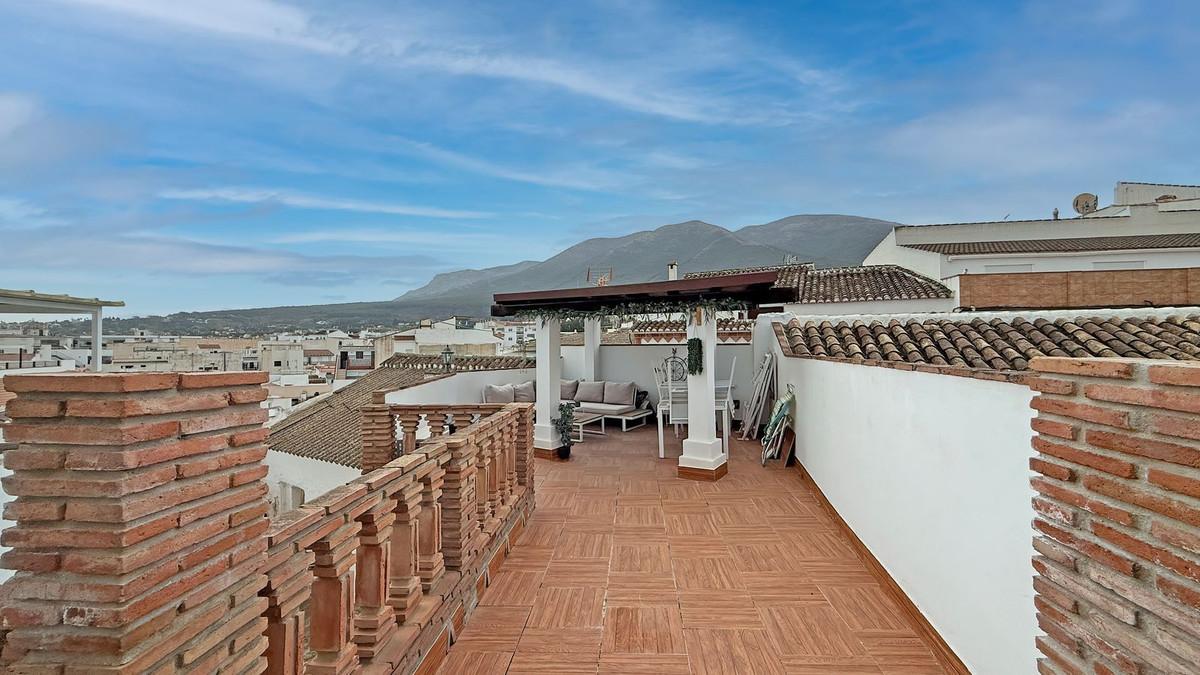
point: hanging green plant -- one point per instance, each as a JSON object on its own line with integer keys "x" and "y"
{"x": 632, "y": 309}
{"x": 695, "y": 362}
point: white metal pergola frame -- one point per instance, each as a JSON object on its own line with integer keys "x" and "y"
{"x": 32, "y": 302}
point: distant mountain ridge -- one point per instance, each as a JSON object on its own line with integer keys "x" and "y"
{"x": 828, "y": 240}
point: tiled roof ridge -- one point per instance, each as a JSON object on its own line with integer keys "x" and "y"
{"x": 997, "y": 344}
{"x": 859, "y": 283}
{"x": 1063, "y": 244}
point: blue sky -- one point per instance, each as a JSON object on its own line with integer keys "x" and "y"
{"x": 241, "y": 153}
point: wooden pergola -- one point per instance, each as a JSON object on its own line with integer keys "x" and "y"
{"x": 704, "y": 455}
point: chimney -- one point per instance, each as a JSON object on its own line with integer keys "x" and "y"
{"x": 672, "y": 270}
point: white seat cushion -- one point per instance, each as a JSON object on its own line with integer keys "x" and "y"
{"x": 605, "y": 408}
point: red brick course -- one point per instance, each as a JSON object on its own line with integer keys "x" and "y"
{"x": 1117, "y": 516}
{"x": 139, "y": 528}
{"x": 1092, "y": 288}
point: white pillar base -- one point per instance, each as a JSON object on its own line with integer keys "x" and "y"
{"x": 545, "y": 437}
{"x": 702, "y": 454}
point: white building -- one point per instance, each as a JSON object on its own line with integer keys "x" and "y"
{"x": 1148, "y": 226}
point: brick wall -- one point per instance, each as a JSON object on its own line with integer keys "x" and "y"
{"x": 1116, "y": 288}
{"x": 1117, "y": 515}
{"x": 140, "y": 512}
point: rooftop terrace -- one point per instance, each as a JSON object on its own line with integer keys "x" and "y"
{"x": 626, "y": 568}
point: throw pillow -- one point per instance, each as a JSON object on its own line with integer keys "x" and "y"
{"x": 590, "y": 392}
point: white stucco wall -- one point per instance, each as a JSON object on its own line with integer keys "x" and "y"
{"x": 886, "y": 252}
{"x": 460, "y": 388}
{"x": 635, "y": 363}
{"x": 931, "y": 472}
{"x": 311, "y": 475}
{"x": 874, "y": 307}
{"x": 1059, "y": 262}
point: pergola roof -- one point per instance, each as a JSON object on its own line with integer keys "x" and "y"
{"x": 32, "y": 302}
{"x": 752, "y": 288}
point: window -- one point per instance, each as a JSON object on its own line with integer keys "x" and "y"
{"x": 279, "y": 364}
{"x": 1119, "y": 265}
{"x": 358, "y": 355}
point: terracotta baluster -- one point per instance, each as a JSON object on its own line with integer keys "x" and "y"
{"x": 404, "y": 582}
{"x": 374, "y": 618}
{"x": 431, "y": 564}
{"x": 332, "y": 604}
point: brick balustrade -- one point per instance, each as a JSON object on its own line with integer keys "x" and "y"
{"x": 142, "y": 544}
{"x": 1117, "y": 515}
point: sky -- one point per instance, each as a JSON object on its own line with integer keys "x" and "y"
{"x": 243, "y": 153}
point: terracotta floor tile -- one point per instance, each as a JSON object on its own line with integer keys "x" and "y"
{"x": 566, "y": 607}
{"x": 644, "y": 558}
{"x": 493, "y": 629}
{"x": 690, "y": 525}
{"x": 866, "y": 607}
{"x": 818, "y": 545}
{"x": 644, "y": 664}
{"x": 702, "y": 547}
{"x": 781, "y": 587}
{"x": 763, "y": 558}
{"x": 561, "y": 640}
{"x": 706, "y": 573}
{"x": 642, "y": 629}
{"x": 537, "y": 663}
{"x": 460, "y": 662}
{"x": 586, "y": 572}
{"x": 730, "y": 652}
{"x": 583, "y": 545}
{"x": 512, "y": 587}
{"x": 540, "y": 534}
{"x": 900, "y": 654}
{"x": 641, "y": 516}
{"x": 809, "y": 630}
{"x": 718, "y": 609}
{"x": 529, "y": 558}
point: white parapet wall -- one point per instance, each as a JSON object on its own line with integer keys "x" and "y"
{"x": 464, "y": 387}
{"x": 931, "y": 472}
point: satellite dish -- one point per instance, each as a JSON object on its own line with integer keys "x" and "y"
{"x": 1085, "y": 203}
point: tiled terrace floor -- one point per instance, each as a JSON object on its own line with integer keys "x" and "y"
{"x": 627, "y": 569}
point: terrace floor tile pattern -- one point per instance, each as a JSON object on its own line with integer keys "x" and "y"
{"x": 626, "y": 568}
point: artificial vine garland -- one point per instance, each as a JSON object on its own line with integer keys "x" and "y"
{"x": 695, "y": 360}
{"x": 625, "y": 310}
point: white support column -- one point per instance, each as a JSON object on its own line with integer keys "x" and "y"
{"x": 702, "y": 449}
{"x": 549, "y": 377}
{"x": 591, "y": 349}
{"x": 97, "y": 340}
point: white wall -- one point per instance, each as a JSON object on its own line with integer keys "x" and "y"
{"x": 1060, "y": 262}
{"x": 931, "y": 472}
{"x": 311, "y": 475}
{"x": 874, "y": 307}
{"x": 466, "y": 387}
{"x": 887, "y": 252}
{"x": 635, "y": 363}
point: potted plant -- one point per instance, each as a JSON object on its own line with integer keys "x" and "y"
{"x": 563, "y": 425}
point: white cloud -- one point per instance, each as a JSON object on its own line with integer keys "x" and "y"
{"x": 258, "y": 20}
{"x": 575, "y": 177}
{"x": 244, "y": 195}
{"x": 16, "y": 111}
{"x": 373, "y": 236}
{"x": 1024, "y": 137}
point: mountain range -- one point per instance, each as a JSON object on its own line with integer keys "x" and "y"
{"x": 826, "y": 240}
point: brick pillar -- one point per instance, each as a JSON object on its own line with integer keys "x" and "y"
{"x": 378, "y": 434}
{"x": 140, "y": 512}
{"x": 405, "y": 585}
{"x": 430, "y": 562}
{"x": 409, "y": 420}
{"x": 458, "y": 502}
{"x": 374, "y": 620}
{"x": 332, "y": 605}
{"x": 525, "y": 457}
{"x": 483, "y": 460}
{"x": 1117, "y": 516}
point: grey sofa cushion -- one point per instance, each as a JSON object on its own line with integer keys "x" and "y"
{"x": 606, "y": 408}
{"x": 620, "y": 393}
{"x": 590, "y": 392}
{"x": 524, "y": 392}
{"x": 567, "y": 389}
{"x": 503, "y": 393}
